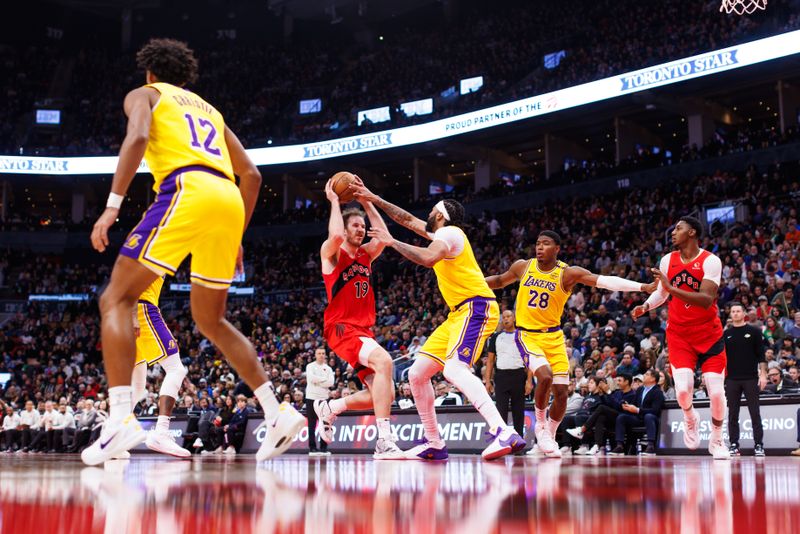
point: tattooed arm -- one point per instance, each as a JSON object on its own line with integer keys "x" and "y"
{"x": 425, "y": 256}
{"x": 397, "y": 214}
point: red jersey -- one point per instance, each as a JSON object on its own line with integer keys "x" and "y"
{"x": 688, "y": 276}
{"x": 349, "y": 287}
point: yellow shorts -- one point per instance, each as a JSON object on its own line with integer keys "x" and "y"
{"x": 464, "y": 332}
{"x": 548, "y": 344}
{"x": 197, "y": 211}
{"x": 155, "y": 341}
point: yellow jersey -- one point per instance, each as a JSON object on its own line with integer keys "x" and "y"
{"x": 458, "y": 275}
{"x": 185, "y": 131}
{"x": 541, "y": 297}
{"x": 153, "y": 292}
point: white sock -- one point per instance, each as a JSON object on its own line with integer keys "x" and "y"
{"x": 460, "y": 375}
{"x": 541, "y": 415}
{"x": 162, "y": 425}
{"x": 265, "y": 394}
{"x": 337, "y": 406}
{"x": 384, "y": 428}
{"x": 552, "y": 426}
{"x": 120, "y": 401}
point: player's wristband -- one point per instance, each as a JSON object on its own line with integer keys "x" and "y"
{"x": 114, "y": 200}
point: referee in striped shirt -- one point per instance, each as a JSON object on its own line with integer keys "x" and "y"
{"x": 512, "y": 379}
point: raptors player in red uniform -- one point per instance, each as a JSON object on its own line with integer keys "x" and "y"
{"x": 349, "y": 318}
{"x": 691, "y": 276}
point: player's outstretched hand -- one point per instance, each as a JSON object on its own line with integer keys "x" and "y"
{"x": 360, "y": 191}
{"x": 381, "y": 235}
{"x": 661, "y": 277}
{"x": 638, "y": 311}
{"x": 649, "y": 288}
{"x": 330, "y": 193}
{"x": 99, "y": 235}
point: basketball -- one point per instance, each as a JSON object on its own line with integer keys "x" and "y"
{"x": 340, "y": 181}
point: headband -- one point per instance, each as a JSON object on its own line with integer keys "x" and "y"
{"x": 440, "y": 206}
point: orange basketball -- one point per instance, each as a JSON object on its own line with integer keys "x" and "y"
{"x": 340, "y": 182}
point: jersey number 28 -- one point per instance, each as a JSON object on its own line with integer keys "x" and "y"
{"x": 543, "y": 298}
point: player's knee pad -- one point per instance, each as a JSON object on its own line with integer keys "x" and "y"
{"x": 174, "y": 373}
{"x": 715, "y": 385}
{"x": 684, "y": 386}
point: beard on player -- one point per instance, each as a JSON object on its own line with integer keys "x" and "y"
{"x": 355, "y": 230}
{"x": 429, "y": 224}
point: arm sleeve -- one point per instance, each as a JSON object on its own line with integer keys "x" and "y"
{"x": 615, "y": 283}
{"x": 712, "y": 269}
{"x": 657, "y": 298}
{"x": 660, "y": 295}
{"x": 453, "y": 238}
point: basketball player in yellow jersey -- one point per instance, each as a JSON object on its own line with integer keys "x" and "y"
{"x": 545, "y": 284}
{"x": 155, "y": 344}
{"x": 198, "y": 210}
{"x": 456, "y": 344}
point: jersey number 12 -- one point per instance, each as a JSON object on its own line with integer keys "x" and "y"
{"x": 209, "y": 131}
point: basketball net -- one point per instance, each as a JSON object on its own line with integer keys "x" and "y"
{"x": 741, "y": 7}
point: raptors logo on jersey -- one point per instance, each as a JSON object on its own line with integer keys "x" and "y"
{"x": 351, "y": 299}
{"x": 688, "y": 276}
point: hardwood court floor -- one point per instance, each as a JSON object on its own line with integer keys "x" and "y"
{"x": 46, "y": 494}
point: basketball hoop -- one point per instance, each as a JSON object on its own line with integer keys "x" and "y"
{"x": 741, "y": 7}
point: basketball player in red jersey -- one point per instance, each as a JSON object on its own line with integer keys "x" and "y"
{"x": 691, "y": 276}
{"x": 349, "y": 318}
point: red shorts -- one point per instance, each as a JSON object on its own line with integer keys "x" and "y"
{"x": 701, "y": 344}
{"x": 347, "y": 342}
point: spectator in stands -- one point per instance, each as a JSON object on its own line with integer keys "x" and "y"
{"x": 9, "y": 433}
{"x": 595, "y": 390}
{"x": 792, "y": 327}
{"x": 606, "y": 414}
{"x": 445, "y": 396}
{"x": 779, "y": 384}
{"x": 45, "y": 437}
{"x": 666, "y": 384}
{"x": 64, "y": 429}
{"x": 235, "y": 429}
{"x": 628, "y": 366}
{"x": 29, "y": 425}
{"x": 638, "y": 381}
{"x": 404, "y": 399}
{"x": 645, "y": 411}
{"x": 298, "y": 399}
{"x": 204, "y": 424}
{"x": 773, "y": 332}
{"x": 224, "y": 416}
